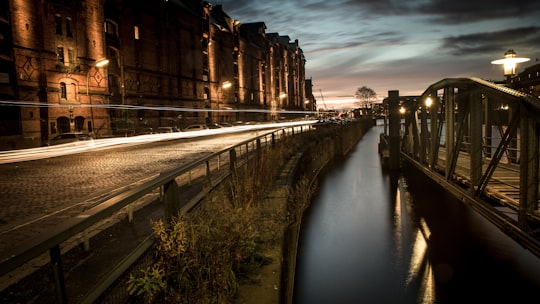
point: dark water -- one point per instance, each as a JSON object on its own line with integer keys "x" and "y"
{"x": 375, "y": 237}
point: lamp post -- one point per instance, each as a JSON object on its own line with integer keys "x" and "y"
{"x": 100, "y": 63}
{"x": 225, "y": 85}
{"x": 509, "y": 62}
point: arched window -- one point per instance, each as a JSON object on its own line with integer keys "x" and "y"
{"x": 79, "y": 123}
{"x": 71, "y": 89}
{"x": 63, "y": 90}
{"x": 63, "y": 124}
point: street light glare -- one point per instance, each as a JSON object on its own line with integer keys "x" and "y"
{"x": 102, "y": 62}
{"x": 226, "y": 84}
{"x": 429, "y": 102}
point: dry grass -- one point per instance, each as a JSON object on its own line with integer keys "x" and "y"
{"x": 201, "y": 257}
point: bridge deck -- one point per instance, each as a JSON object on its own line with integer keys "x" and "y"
{"x": 503, "y": 186}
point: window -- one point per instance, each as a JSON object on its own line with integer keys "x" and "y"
{"x": 60, "y": 54}
{"x": 70, "y": 91}
{"x": 63, "y": 90}
{"x": 136, "y": 32}
{"x": 68, "y": 27}
{"x": 58, "y": 24}
{"x": 5, "y": 44}
{"x": 110, "y": 28}
{"x": 71, "y": 61}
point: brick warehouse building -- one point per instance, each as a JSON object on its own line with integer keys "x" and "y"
{"x": 162, "y": 56}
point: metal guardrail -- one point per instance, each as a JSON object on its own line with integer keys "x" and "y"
{"x": 214, "y": 168}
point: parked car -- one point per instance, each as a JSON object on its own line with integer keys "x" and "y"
{"x": 196, "y": 127}
{"x": 65, "y": 138}
{"x": 144, "y": 131}
{"x": 225, "y": 124}
{"x": 165, "y": 130}
{"x": 214, "y": 125}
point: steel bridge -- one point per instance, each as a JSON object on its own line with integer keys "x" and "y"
{"x": 480, "y": 141}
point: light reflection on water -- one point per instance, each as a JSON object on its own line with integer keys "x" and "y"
{"x": 372, "y": 236}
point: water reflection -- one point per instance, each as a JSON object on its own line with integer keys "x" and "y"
{"x": 372, "y": 236}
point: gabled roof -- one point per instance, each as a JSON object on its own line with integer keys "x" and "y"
{"x": 220, "y": 18}
{"x": 272, "y": 37}
{"x": 254, "y": 32}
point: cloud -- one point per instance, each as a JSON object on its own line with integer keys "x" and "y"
{"x": 523, "y": 39}
{"x": 448, "y": 12}
{"x": 467, "y": 11}
{"x": 396, "y": 44}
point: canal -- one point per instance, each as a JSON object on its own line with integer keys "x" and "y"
{"x": 373, "y": 236}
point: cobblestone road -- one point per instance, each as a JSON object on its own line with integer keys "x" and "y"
{"x": 35, "y": 195}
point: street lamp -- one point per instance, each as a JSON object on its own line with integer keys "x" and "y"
{"x": 100, "y": 63}
{"x": 509, "y": 62}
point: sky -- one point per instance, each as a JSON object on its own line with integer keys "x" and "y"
{"x": 397, "y": 44}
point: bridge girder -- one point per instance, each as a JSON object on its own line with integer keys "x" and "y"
{"x": 459, "y": 123}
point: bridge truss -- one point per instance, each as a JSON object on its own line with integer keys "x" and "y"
{"x": 480, "y": 141}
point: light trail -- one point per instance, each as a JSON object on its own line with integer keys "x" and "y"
{"x": 154, "y": 108}
{"x": 13, "y": 156}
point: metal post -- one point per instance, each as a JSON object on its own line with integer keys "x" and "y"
{"x": 394, "y": 129}
{"x": 434, "y": 127}
{"x": 171, "y": 194}
{"x": 58, "y": 274}
{"x": 488, "y": 121}
{"x": 449, "y": 100}
{"x": 424, "y": 136}
{"x": 476, "y": 116}
{"x": 232, "y": 161}
{"x": 528, "y": 168}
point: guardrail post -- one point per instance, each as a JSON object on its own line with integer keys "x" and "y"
{"x": 259, "y": 152}
{"x": 273, "y": 140}
{"x": 208, "y": 174}
{"x": 58, "y": 274}
{"x": 170, "y": 198}
{"x": 232, "y": 162}
{"x": 86, "y": 240}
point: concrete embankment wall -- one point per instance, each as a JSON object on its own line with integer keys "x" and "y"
{"x": 339, "y": 140}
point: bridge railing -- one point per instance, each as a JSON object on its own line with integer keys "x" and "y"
{"x": 206, "y": 172}
{"x": 450, "y": 132}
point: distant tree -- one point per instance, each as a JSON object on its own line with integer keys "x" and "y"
{"x": 366, "y": 96}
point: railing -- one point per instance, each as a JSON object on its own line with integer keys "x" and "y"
{"x": 208, "y": 171}
{"x": 450, "y": 138}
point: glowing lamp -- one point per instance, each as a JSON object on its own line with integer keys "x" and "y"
{"x": 429, "y": 102}
{"x": 509, "y": 62}
{"x": 226, "y": 84}
{"x": 102, "y": 62}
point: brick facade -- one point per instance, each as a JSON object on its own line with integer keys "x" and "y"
{"x": 163, "y": 56}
